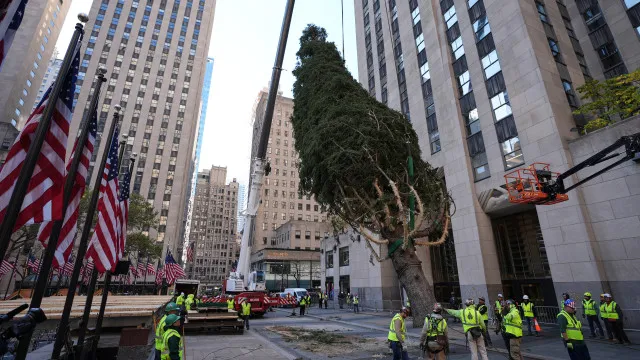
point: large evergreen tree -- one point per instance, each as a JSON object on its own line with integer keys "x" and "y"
{"x": 354, "y": 155}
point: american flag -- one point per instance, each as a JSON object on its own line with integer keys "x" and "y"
{"x": 43, "y": 200}
{"x": 69, "y": 226}
{"x": 190, "y": 251}
{"x": 150, "y": 269}
{"x": 159, "y": 276}
{"x": 141, "y": 267}
{"x": 104, "y": 243}
{"x": 33, "y": 264}
{"x": 67, "y": 269}
{"x": 133, "y": 270}
{"x": 15, "y": 19}
{"x": 6, "y": 267}
{"x": 172, "y": 269}
{"x": 86, "y": 271}
{"x": 123, "y": 213}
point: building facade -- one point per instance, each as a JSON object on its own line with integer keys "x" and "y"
{"x": 489, "y": 86}
{"x": 49, "y": 78}
{"x": 242, "y": 205}
{"x": 156, "y": 56}
{"x": 213, "y": 227}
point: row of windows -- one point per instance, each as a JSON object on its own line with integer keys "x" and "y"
{"x": 343, "y": 257}
{"x": 399, "y": 59}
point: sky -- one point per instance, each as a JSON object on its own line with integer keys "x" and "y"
{"x": 243, "y": 45}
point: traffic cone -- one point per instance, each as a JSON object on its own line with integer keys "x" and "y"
{"x": 537, "y": 326}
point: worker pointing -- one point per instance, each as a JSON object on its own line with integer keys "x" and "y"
{"x": 170, "y": 309}
{"x": 172, "y": 342}
{"x": 473, "y": 327}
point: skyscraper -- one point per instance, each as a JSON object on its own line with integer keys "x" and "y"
{"x": 49, "y": 77}
{"x": 26, "y": 64}
{"x": 525, "y": 59}
{"x": 213, "y": 227}
{"x": 242, "y": 205}
{"x": 156, "y": 56}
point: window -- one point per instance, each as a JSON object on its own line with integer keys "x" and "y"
{"x": 450, "y": 17}
{"x": 480, "y": 166}
{"x": 501, "y": 106}
{"x": 464, "y": 83}
{"x": 555, "y": 50}
{"x": 307, "y": 235}
{"x": 473, "y": 123}
{"x": 542, "y": 12}
{"x": 481, "y": 28}
{"x": 328, "y": 259}
{"x": 491, "y": 64}
{"x": 297, "y": 234}
{"x": 343, "y": 256}
{"x": 512, "y": 153}
{"x": 631, "y": 3}
{"x": 457, "y": 48}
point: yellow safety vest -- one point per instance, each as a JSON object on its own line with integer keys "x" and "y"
{"x": 470, "y": 318}
{"x": 436, "y": 327}
{"x": 303, "y": 301}
{"x": 574, "y": 326}
{"x": 348, "y": 298}
{"x": 589, "y": 307}
{"x": 603, "y": 311}
{"x": 180, "y": 300}
{"x": 160, "y": 332}
{"x": 165, "y": 344}
{"x": 528, "y": 309}
{"x": 403, "y": 330}
{"x": 355, "y": 301}
{"x": 188, "y": 303}
{"x": 246, "y": 309}
{"x": 230, "y": 304}
{"x": 611, "y": 311}
{"x": 513, "y": 323}
{"x": 485, "y": 316}
{"x": 498, "y": 306}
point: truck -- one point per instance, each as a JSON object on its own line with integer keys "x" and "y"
{"x": 186, "y": 286}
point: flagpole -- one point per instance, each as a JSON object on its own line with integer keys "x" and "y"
{"x": 107, "y": 282}
{"x": 13, "y": 271}
{"x": 29, "y": 164}
{"x": 38, "y": 277}
{"x": 84, "y": 240}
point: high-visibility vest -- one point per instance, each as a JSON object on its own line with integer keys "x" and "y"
{"x": 574, "y": 326}
{"x": 611, "y": 310}
{"x": 348, "y": 298}
{"x": 160, "y": 332}
{"x": 513, "y": 323}
{"x": 435, "y": 326}
{"x": 188, "y": 303}
{"x": 589, "y": 307}
{"x": 180, "y": 300}
{"x": 356, "y": 301}
{"x": 470, "y": 318}
{"x": 485, "y": 316}
{"x": 303, "y": 301}
{"x": 528, "y": 309}
{"x": 230, "y": 304}
{"x": 498, "y": 306}
{"x": 165, "y": 344}
{"x": 246, "y": 308}
{"x": 403, "y": 330}
{"x": 603, "y": 311}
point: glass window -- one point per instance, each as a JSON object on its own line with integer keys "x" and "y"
{"x": 464, "y": 83}
{"x": 328, "y": 259}
{"x": 512, "y": 152}
{"x": 458, "y": 49}
{"x": 491, "y": 64}
{"x": 21, "y": 102}
{"x": 473, "y": 123}
{"x": 481, "y": 28}
{"x": 553, "y": 45}
{"x": 501, "y": 106}
{"x": 343, "y": 255}
{"x": 472, "y": 2}
{"x": 450, "y": 17}
{"x": 480, "y": 166}
{"x": 17, "y": 112}
{"x": 28, "y": 83}
{"x": 631, "y": 3}
{"x": 542, "y": 12}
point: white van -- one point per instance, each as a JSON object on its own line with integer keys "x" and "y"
{"x": 297, "y": 292}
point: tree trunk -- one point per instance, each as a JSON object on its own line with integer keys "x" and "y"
{"x": 419, "y": 291}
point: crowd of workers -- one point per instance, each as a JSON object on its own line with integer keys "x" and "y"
{"x": 509, "y": 318}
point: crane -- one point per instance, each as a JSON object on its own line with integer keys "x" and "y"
{"x": 241, "y": 279}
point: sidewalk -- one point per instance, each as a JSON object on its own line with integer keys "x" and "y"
{"x": 547, "y": 346}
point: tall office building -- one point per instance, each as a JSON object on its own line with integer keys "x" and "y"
{"x": 213, "y": 227}
{"x": 156, "y": 56}
{"x": 49, "y": 77}
{"x": 489, "y": 86}
{"x": 204, "y": 102}
{"x": 26, "y": 63}
{"x": 242, "y": 205}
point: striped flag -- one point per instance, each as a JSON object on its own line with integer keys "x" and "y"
{"x": 10, "y": 22}
{"x": 123, "y": 213}
{"x": 132, "y": 269}
{"x": 67, "y": 269}
{"x": 151, "y": 270}
{"x": 43, "y": 200}
{"x": 70, "y": 224}
{"x": 173, "y": 270}
{"x": 141, "y": 267}
{"x": 33, "y": 264}
{"x": 159, "y": 276}
{"x": 103, "y": 246}
{"x": 190, "y": 251}
{"x": 6, "y": 267}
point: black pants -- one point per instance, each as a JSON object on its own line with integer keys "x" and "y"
{"x": 246, "y": 321}
{"x": 487, "y": 337}
{"x": 506, "y": 342}
{"x": 302, "y": 310}
{"x": 607, "y": 325}
{"x": 579, "y": 352}
{"x": 356, "y": 308}
{"x": 326, "y": 304}
{"x": 618, "y": 330}
{"x": 593, "y": 321}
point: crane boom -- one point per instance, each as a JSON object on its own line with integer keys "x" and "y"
{"x": 241, "y": 280}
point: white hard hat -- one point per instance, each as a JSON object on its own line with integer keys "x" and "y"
{"x": 500, "y": 295}
{"x": 468, "y": 302}
{"x": 525, "y": 297}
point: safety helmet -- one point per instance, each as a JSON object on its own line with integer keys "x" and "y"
{"x": 171, "y": 307}
{"x": 510, "y": 302}
{"x": 500, "y": 295}
{"x": 587, "y": 294}
{"x": 182, "y": 293}
{"x": 171, "y": 319}
{"x": 468, "y": 302}
{"x": 437, "y": 308}
{"x": 526, "y": 297}
{"x": 570, "y": 303}
{"x": 607, "y": 295}
{"x": 481, "y": 298}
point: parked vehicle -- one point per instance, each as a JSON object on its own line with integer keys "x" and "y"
{"x": 297, "y": 292}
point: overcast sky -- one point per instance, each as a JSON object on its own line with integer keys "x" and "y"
{"x": 243, "y": 45}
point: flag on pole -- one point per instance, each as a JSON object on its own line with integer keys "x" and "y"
{"x": 150, "y": 269}
{"x": 103, "y": 246}
{"x": 6, "y": 267}
{"x": 132, "y": 269}
{"x": 69, "y": 226}
{"x": 190, "y": 251}
{"x": 159, "y": 276}
{"x": 172, "y": 269}
{"x": 43, "y": 200}
{"x": 123, "y": 214}
{"x": 141, "y": 267}
{"x": 15, "y": 13}
{"x": 33, "y": 264}
{"x": 67, "y": 269}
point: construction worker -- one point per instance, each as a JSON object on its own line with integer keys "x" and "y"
{"x": 589, "y": 306}
{"x": 512, "y": 330}
{"x": 180, "y": 300}
{"x": 571, "y": 332}
{"x": 320, "y": 300}
{"x": 434, "y": 339}
{"x": 398, "y": 334}
{"x": 483, "y": 309}
{"x": 246, "y": 312}
{"x": 614, "y": 313}
{"x": 605, "y": 317}
{"x": 308, "y": 303}
{"x": 497, "y": 312}
{"x": 171, "y": 308}
{"x": 473, "y": 327}
{"x": 529, "y": 313}
{"x": 303, "y": 305}
{"x": 356, "y": 301}
{"x": 172, "y": 343}
{"x": 326, "y": 300}
{"x": 231, "y": 303}
{"x": 188, "y": 303}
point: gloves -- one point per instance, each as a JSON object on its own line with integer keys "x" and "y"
{"x": 569, "y": 346}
